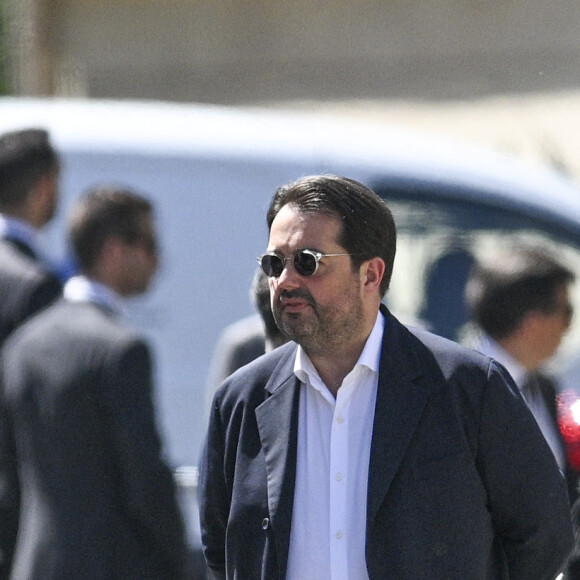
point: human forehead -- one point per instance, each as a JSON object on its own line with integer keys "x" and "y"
{"x": 293, "y": 229}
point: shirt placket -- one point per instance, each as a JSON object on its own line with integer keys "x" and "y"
{"x": 338, "y": 486}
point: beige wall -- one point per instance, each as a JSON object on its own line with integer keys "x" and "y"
{"x": 233, "y": 51}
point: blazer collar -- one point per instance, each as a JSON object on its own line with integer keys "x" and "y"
{"x": 400, "y": 402}
{"x": 83, "y": 289}
{"x": 22, "y": 247}
{"x": 20, "y": 234}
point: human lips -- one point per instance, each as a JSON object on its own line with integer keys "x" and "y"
{"x": 294, "y": 305}
{"x": 293, "y": 302}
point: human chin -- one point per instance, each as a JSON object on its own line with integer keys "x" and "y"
{"x": 294, "y": 324}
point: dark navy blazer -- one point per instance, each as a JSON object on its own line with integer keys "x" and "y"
{"x": 461, "y": 482}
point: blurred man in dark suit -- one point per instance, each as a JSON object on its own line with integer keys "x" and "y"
{"x": 520, "y": 300}
{"x": 29, "y": 170}
{"x": 97, "y": 499}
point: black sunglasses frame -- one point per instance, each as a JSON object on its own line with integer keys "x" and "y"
{"x": 273, "y": 265}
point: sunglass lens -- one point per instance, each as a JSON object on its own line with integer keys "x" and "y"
{"x": 272, "y": 265}
{"x": 305, "y": 263}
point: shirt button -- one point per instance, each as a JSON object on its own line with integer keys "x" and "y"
{"x": 338, "y": 477}
{"x": 338, "y": 535}
{"x": 265, "y": 523}
{"x": 340, "y": 420}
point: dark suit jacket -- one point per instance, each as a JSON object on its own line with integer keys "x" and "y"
{"x": 572, "y": 568}
{"x": 461, "y": 482}
{"x": 549, "y": 392}
{"x": 25, "y": 285}
{"x": 97, "y": 500}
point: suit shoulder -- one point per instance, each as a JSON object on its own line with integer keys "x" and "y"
{"x": 18, "y": 265}
{"x": 24, "y": 278}
{"x": 248, "y": 328}
{"x": 76, "y": 323}
{"x": 459, "y": 367}
{"x": 444, "y": 349}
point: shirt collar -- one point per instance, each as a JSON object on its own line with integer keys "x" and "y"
{"x": 20, "y": 230}
{"x": 83, "y": 289}
{"x": 370, "y": 356}
{"x": 491, "y": 348}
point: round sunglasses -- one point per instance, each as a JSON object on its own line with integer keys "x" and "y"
{"x": 305, "y": 262}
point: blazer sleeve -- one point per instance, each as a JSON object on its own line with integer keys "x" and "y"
{"x": 213, "y": 497}
{"x": 148, "y": 483}
{"x": 527, "y": 496}
{"x": 9, "y": 492}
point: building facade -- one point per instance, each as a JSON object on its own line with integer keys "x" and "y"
{"x": 248, "y": 51}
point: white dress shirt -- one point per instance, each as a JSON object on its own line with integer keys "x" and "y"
{"x": 328, "y": 534}
{"x": 536, "y": 404}
{"x": 20, "y": 230}
{"x": 83, "y": 289}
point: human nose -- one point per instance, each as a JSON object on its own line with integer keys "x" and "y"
{"x": 289, "y": 278}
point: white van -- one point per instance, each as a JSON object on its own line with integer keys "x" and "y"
{"x": 211, "y": 172}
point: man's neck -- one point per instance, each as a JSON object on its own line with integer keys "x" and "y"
{"x": 521, "y": 353}
{"x": 333, "y": 365}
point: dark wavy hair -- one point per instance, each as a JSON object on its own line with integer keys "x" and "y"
{"x": 502, "y": 290}
{"x": 103, "y": 212}
{"x": 368, "y": 228}
{"x": 25, "y": 157}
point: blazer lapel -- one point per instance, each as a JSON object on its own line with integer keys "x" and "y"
{"x": 400, "y": 403}
{"x": 22, "y": 247}
{"x": 277, "y": 419}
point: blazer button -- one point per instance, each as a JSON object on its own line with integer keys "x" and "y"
{"x": 265, "y": 523}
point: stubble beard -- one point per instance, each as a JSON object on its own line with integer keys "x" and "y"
{"x": 327, "y": 330}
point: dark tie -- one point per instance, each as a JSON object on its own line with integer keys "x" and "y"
{"x": 531, "y": 389}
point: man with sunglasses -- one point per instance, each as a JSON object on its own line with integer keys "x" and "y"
{"x": 97, "y": 499}
{"x": 365, "y": 449}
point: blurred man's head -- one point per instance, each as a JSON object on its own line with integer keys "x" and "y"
{"x": 521, "y": 299}
{"x": 113, "y": 238}
{"x": 29, "y": 171}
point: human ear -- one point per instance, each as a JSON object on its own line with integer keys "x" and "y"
{"x": 373, "y": 271}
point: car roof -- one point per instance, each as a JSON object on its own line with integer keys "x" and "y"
{"x": 413, "y": 164}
